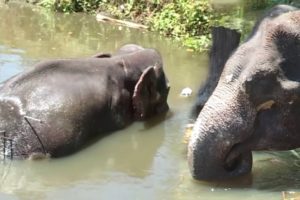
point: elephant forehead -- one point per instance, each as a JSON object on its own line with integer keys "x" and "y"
{"x": 250, "y": 60}
{"x": 261, "y": 51}
{"x": 281, "y": 27}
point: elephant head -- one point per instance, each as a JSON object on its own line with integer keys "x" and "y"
{"x": 145, "y": 79}
{"x": 256, "y": 103}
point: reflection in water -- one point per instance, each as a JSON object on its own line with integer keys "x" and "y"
{"x": 117, "y": 156}
{"x": 9, "y": 65}
{"x": 144, "y": 161}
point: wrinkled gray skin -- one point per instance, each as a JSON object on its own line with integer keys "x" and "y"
{"x": 59, "y": 105}
{"x": 256, "y": 104}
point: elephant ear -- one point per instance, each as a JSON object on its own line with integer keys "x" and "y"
{"x": 144, "y": 94}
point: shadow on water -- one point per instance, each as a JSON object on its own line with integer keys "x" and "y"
{"x": 122, "y": 155}
{"x": 147, "y": 160}
{"x": 156, "y": 121}
{"x": 278, "y": 172}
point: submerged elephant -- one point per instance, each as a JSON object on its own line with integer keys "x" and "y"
{"x": 56, "y": 107}
{"x": 256, "y": 103}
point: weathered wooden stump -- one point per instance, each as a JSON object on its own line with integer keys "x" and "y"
{"x": 224, "y": 42}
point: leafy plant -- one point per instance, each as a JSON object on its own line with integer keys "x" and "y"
{"x": 186, "y": 20}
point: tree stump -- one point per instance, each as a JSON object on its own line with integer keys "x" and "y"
{"x": 224, "y": 42}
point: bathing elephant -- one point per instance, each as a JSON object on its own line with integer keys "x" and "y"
{"x": 55, "y": 108}
{"x": 256, "y": 103}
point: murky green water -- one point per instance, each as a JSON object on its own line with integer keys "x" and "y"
{"x": 144, "y": 161}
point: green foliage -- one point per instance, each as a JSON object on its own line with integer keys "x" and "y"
{"x": 198, "y": 43}
{"x": 185, "y": 20}
{"x": 69, "y": 6}
{"x": 49, "y": 4}
{"x": 188, "y": 21}
{"x": 235, "y": 19}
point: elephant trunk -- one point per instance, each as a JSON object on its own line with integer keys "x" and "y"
{"x": 224, "y": 123}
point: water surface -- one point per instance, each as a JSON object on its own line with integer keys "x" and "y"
{"x": 147, "y": 160}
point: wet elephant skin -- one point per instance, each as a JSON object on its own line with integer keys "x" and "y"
{"x": 59, "y": 105}
{"x": 255, "y": 105}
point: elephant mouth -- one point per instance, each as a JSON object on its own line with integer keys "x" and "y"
{"x": 238, "y": 160}
{"x": 207, "y": 167}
